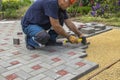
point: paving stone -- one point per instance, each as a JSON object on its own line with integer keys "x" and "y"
{"x": 23, "y": 74}
{"x": 35, "y": 55}
{"x": 33, "y": 64}
{"x": 83, "y": 70}
{"x": 18, "y": 79}
{"x": 58, "y": 68}
{"x": 100, "y": 26}
{"x": 17, "y": 60}
{"x": 2, "y": 78}
{"x": 9, "y": 72}
{"x": 11, "y": 77}
{"x": 101, "y": 31}
{"x": 26, "y": 57}
{"x": 38, "y": 77}
{"x": 4, "y": 64}
{"x": 74, "y": 53}
{"x": 2, "y": 57}
{"x": 2, "y": 70}
{"x": 57, "y": 60}
{"x": 47, "y": 78}
{"x": 89, "y": 24}
{"x": 13, "y": 67}
{"x": 58, "y": 63}
{"x": 26, "y": 68}
{"x": 72, "y": 70}
{"x": 62, "y": 72}
{"x": 38, "y": 71}
{"x": 52, "y": 74}
{"x": 36, "y": 67}
{"x": 1, "y": 50}
{"x": 90, "y": 63}
{"x": 14, "y": 62}
{"x": 88, "y": 30}
{"x": 97, "y": 29}
{"x": 47, "y": 66}
{"x": 67, "y": 77}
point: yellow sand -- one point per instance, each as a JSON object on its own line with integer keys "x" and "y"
{"x": 105, "y": 49}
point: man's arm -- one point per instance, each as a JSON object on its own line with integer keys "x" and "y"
{"x": 58, "y": 28}
{"x": 72, "y": 27}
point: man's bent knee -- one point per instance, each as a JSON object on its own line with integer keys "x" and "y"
{"x": 42, "y": 37}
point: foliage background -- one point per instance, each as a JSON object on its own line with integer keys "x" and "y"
{"x": 13, "y": 9}
{"x": 83, "y": 9}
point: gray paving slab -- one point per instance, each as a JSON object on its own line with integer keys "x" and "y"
{"x": 4, "y": 64}
{"x": 88, "y": 30}
{"x": 98, "y": 28}
{"x": 51, "y": 74}
{"x": 2, "y": 78}
{"x": 47, "y": 78}
{"x": 48, "y": 63}
{"x": 2, "y": 69}
{"x": 18, "y": 79}
{"x": 9, "y": 72}
{"x": 23, "y": 74}
{"x": 38, "y": 77}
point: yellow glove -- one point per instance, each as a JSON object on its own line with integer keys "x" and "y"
{"x": 79, "y": 40}
{"x": 73, "y": 39}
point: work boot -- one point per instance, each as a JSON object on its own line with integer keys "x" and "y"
{"x": 28, "y": 46}
{"x": 30, "y": 43}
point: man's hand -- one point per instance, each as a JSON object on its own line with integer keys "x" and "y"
{"x": 73, "y": 39}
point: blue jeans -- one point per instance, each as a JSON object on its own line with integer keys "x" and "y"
{"x": 31, "y": 32}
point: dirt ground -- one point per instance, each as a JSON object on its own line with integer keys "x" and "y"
{"x": 105, "y": 49}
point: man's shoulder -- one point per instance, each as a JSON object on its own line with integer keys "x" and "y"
{"x": 53, "y": 2}
{"x": 47, "y": 1}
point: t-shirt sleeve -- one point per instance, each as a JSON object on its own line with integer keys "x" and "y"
{"x": 51, "y": 9}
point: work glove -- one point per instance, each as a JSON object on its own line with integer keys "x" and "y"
{"x": 73, "y": 39}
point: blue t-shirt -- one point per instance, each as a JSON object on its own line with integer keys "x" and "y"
{"x": 40, "y": 11}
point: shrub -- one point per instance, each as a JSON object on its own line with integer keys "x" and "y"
{"x": 11, "y": 10}
{"x": 118, "y": 14}
{"x": 12, "y": 5}
{"x": 73, "y": 11}
{"x": 10, "y": 13}
{"x": 106, "y": 8}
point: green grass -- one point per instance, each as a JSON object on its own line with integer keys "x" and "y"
{"x": 113, "y": 21}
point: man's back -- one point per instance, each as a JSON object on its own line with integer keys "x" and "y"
{"x": 39, "y": 11}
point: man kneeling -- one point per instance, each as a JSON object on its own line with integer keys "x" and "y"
{"x": 43, "y": 22}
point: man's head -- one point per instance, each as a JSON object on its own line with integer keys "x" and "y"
{"x": 64, "y": 4}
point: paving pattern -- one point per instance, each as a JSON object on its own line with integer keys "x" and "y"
{"x": 48, "y": 63}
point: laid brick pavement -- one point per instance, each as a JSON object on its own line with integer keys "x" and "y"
{"x": 47, "y": 63}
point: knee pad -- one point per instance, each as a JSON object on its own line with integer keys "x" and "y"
{"x": 42, "y": 37}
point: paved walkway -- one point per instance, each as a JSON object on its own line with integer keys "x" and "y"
{"x": 47, "y": 63}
